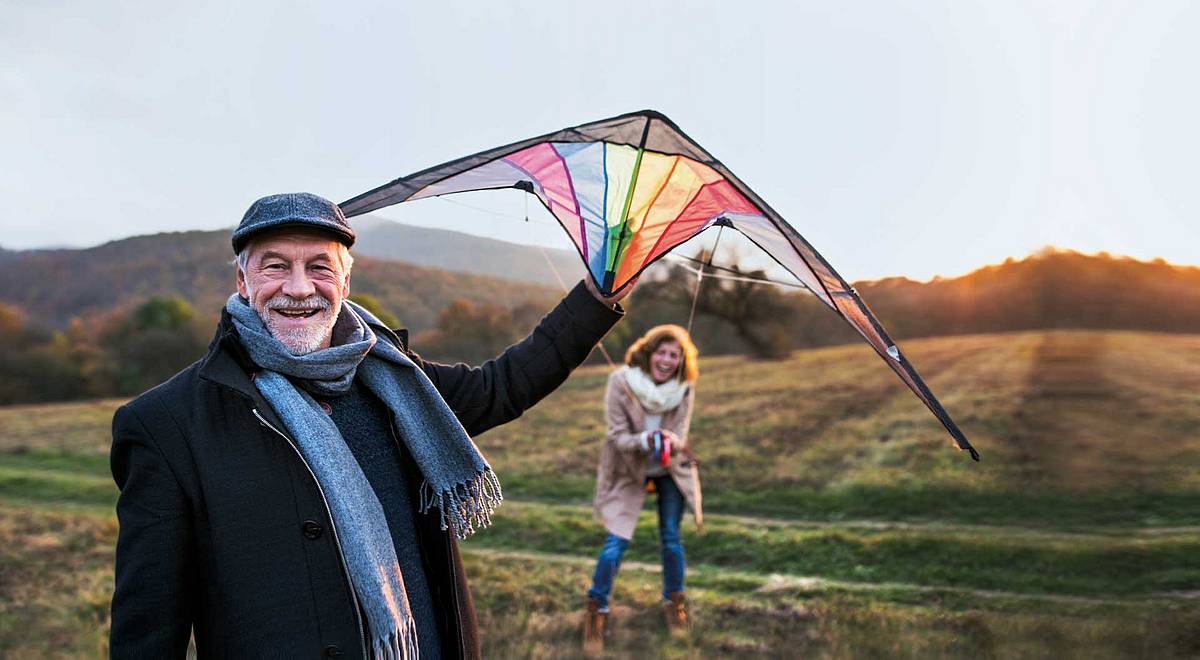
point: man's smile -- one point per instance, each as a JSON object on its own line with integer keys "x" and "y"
{"x": 296, "y": 313}
{"x": 303, "y": 325}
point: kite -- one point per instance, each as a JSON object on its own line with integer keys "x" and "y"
{"x": 630, "y": 188}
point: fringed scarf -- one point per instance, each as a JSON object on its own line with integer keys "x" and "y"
{"x": 458, "y": 481}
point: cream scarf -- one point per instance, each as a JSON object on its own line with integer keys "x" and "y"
{"x": 656, "y": 398}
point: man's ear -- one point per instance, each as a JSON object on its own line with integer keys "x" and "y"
{"x": 346, "y": 287}
{"x": 243, "y": 290}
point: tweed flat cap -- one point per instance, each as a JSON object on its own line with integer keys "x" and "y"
{"x": 293, "y": 209}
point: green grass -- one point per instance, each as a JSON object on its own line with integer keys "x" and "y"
{"x": 975, "y": 558}
{"x": 1082, "y": 510}
{"x": 531, "y": 608}
{"x": 55, "y": 460}
{"x": 841, "y": 523}
{"x": 1076, "y": 429}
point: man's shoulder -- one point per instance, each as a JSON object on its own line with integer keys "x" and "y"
{"x": 176, "y": 389}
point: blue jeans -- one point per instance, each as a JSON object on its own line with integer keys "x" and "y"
{"x": 670, "y": 514}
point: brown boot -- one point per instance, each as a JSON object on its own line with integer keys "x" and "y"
{"x": 593, "y": 628}
{"x": 675, "y": 608}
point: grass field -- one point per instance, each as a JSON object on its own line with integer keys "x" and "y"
{"x": 840, "y": 521}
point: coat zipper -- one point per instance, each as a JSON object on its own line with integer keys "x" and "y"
{"x": 332, "y": 526}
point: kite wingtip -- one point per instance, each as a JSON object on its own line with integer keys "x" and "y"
{"x": 974, "y": 454}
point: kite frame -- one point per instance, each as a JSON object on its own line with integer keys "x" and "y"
{"x": 387, "y": 195}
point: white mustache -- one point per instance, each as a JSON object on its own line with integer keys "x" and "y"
{"x": 312, "y": 302}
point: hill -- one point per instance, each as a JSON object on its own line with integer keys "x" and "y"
{"x": 53, "y": 286}
{"x": 464, "y": 253}
{"x": 1050, "y": 289}
{"x": 840, "y": 521}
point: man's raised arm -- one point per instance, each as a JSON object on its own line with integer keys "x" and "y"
{"x": 502, "y": 388}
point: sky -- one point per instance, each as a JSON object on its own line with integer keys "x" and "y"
{"x": 901, "y": 138}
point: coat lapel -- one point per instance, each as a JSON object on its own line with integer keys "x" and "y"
{"x": 228, "y": 365}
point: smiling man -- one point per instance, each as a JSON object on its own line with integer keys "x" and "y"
{"x": 296, "y": 283}
{"x": 298, "y": 492}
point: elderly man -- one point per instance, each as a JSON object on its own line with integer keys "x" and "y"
{"x": 298, "y": 491}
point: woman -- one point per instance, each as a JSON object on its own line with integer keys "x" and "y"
{"x": 648, "y": 405}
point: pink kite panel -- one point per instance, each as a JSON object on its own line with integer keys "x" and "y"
{"x": 547, "y": 168}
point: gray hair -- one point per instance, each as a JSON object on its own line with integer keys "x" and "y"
{"x": 242, "y": 260}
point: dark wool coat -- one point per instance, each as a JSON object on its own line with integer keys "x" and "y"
{"x": 225, "y": 533}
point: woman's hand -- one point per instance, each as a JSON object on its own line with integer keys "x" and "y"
{"x": 668, "y": 437}
{"x": 677, "y": 443}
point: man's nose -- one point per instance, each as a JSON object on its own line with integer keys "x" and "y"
{"x": 298, "y": 284}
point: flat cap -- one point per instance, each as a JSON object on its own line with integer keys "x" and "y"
{"x": 293, "y": 210}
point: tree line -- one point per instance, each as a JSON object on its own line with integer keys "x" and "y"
{"x": 1051, "y": 289}
{"x": 122, "y": 351}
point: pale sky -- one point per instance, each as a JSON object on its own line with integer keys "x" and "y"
{"x": 901, "y": 138}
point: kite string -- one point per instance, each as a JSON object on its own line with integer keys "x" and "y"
{"x": 695, "y": 297}
{"x": 549, "y": 262}
{"x": 497, "y": 214}
{"x": 732, "y": 278}
{"x": 700, "y": 278}
{"x": 563, "y": 284}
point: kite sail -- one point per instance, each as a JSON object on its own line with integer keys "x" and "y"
{"x": 630, "y": 188}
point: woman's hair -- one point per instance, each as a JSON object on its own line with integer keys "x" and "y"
{"x": 639, "y": 354}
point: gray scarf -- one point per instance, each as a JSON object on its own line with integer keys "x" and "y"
{"x": 458, "y": 481}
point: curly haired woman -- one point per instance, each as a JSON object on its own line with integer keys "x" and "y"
{"x": 648, "y": 406}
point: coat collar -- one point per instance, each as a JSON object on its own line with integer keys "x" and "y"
{"x": 227, "y": 362}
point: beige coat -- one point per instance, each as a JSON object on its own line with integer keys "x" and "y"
{"x": 621, "y": 477}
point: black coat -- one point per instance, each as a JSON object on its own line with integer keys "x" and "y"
{"x": 225, "y": 532}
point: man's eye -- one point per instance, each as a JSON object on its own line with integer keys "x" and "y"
{"x": 274, "y": 266}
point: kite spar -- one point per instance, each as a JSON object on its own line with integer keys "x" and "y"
{"x": 630, "y": 188}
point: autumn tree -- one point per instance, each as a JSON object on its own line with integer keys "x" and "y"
{"x": 155, "y": 340}
{"x": 34, "y": 363}
{"x": 757, "y": 313}
{"x": 373, "y": 305}
{"x": 470, "y": 333}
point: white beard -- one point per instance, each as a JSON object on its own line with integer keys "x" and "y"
{"x": 307, "y": 338}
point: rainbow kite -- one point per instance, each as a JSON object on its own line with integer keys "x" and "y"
{"x": 629, "y": 189}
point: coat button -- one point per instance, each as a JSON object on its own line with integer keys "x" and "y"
{"x": 333, "y": 651}
{"x": 326, "y": 407}
{"x": 312, "y": 529}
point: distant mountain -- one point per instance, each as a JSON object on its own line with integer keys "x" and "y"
{"x": 52, "y": 286}
{"x": 464, "y": 253}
